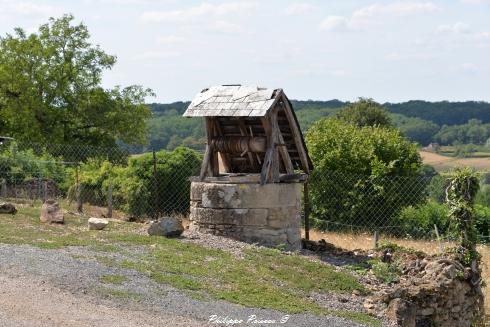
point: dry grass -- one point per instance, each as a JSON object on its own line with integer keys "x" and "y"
{"x": 365, "y": 242}
{"x": 444, "y": 163}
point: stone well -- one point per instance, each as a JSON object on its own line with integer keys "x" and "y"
{"x": 266, "y": 214}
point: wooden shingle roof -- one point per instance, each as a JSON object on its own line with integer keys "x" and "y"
{"x": 232, "y": 101}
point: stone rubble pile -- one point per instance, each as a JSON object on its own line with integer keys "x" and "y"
{"x": 437, "y": 292}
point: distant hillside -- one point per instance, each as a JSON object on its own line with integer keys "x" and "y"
{"x": 443, "y": 112}
{"x": 419, "y": 120}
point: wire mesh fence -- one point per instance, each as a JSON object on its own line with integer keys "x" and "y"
{"x": 126, "y": 183}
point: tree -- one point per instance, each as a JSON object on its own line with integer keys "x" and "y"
{"x": 416, "y": 129}
{"x": 365, "y": 112}
{"x": 363, "y": 176}
{"x": 50, "y": 89}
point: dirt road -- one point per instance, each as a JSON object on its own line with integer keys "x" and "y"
{"x": 26, "y": 302}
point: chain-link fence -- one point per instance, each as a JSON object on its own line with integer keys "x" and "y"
{"x": 124, "y": 183}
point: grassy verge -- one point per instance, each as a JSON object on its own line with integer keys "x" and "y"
{"x": 264, "y": 278}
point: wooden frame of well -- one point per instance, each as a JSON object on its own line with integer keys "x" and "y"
{"x": 253, "y": 167}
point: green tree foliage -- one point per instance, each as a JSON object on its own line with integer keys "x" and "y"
{"x": 365, "y": 112}
{"x": 416, "y": 129}
{"x": 138, "y": 189}
{"x": 474, "y": 131}
{"x": 443, "y": 112}
{"x": 360, "y": 172}
{"x": 50, "y": 89}
{"x": 17, "y": 166}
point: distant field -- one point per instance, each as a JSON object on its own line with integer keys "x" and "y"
{"x": 443, "y": 163}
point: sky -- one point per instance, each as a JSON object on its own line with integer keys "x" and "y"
{"x": 391, "y": 51}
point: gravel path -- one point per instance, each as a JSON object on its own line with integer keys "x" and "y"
{"x": 62, "y": 288}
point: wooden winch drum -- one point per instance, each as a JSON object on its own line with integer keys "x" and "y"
{"x": 239, "y": 144}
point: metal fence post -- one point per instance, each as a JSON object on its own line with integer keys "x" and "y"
{"x": 79, "y": 192}
{"x": 109, "y": 201}
{"x": 306, "y": 201}
{"x": 4, "y": 188}
{"x": 155, "y": 212}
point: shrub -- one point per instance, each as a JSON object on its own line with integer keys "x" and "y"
{"x": 140, "y": 188}
{"x": 17, "y": 166}
{"x": 418, "y": 221}
{"x": 363, "y": 175}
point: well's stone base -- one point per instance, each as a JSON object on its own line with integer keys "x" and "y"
{"x": 265, "y": 214}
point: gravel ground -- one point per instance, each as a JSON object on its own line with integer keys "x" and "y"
{"x": 62, "y": 288}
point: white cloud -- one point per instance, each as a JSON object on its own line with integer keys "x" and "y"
{"x": 476, "y": 2}
{"x": 201, "y": 11}
{"x": 26, "y": 8}
{"x": 225, "y": 27}
{"x": 375, "y": 13}
{"x": 170, "y": 40}
{"x": 156, "y": 54}
{"x": 468, "y": 67}
{"x": 457, "y": 28}
{"x": 332, "y": 23}
{"x": 396, "y": 8}
{"x": 395, "y": 56}
{"x": 298, "y": 8}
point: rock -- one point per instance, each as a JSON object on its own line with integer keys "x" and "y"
{"x": 51, "y": 212}
{"x": 97, "y": 223}
{"x": 8, "y": 208}
{"x": 167, "y": 226}
{"x": 427, "y": 311}
{"x": 401, "y": 312}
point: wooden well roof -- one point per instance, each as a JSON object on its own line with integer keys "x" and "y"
{"x": 233, "y": 111}
{"x": 232, "y": 101}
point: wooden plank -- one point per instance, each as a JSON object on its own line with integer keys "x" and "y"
{"x": 283, "y": 151}
{"x": 296, "y": 135}
{"x": 205, "y": 163}
{"x": 225, "y": 158}
{"x": 266, "y": 166}
{"x": 274, "y": 141}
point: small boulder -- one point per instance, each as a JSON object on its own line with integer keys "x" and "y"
{"x": 51, "y": 212}
{"x": 8, "y": 208}
{"x": 167, "y": 226}
{"x": 97, "y": 223}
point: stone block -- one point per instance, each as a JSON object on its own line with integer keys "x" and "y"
{"x": 219, "y": 195}
{"x": 239, "y": 217}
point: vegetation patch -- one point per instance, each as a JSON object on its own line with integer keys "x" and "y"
{"x": 113, "y": 279}
{"x": 264, "y": 278}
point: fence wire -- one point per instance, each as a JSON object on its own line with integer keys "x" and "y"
{"x": 129, "y": 183}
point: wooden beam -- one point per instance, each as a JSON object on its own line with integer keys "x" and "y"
{"x": 225, "y": 158}
{"x": 286, "y": 159}
{"x": 296, "y": 135}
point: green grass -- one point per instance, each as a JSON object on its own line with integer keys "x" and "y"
{"x": 113, "y": 279}
{"x": 120, "y": 294}
{"x": 264, "y": 278}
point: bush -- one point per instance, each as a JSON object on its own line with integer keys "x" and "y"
{"x": 140, "y": 190}
{"x": 17, "y": 166}
{"x": 363, "y": 175}
{"x": 418, "y": 221}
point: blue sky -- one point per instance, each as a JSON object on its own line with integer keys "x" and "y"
{"x": 387, "y": 50}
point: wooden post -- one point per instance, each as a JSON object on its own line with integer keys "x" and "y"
{"x": 4, "y": 188}
{"x": 109, "y": 201}
{"x": 45, "y": 191}
{"x": 375, "y": 240}
{"x": 306, "y": 200}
